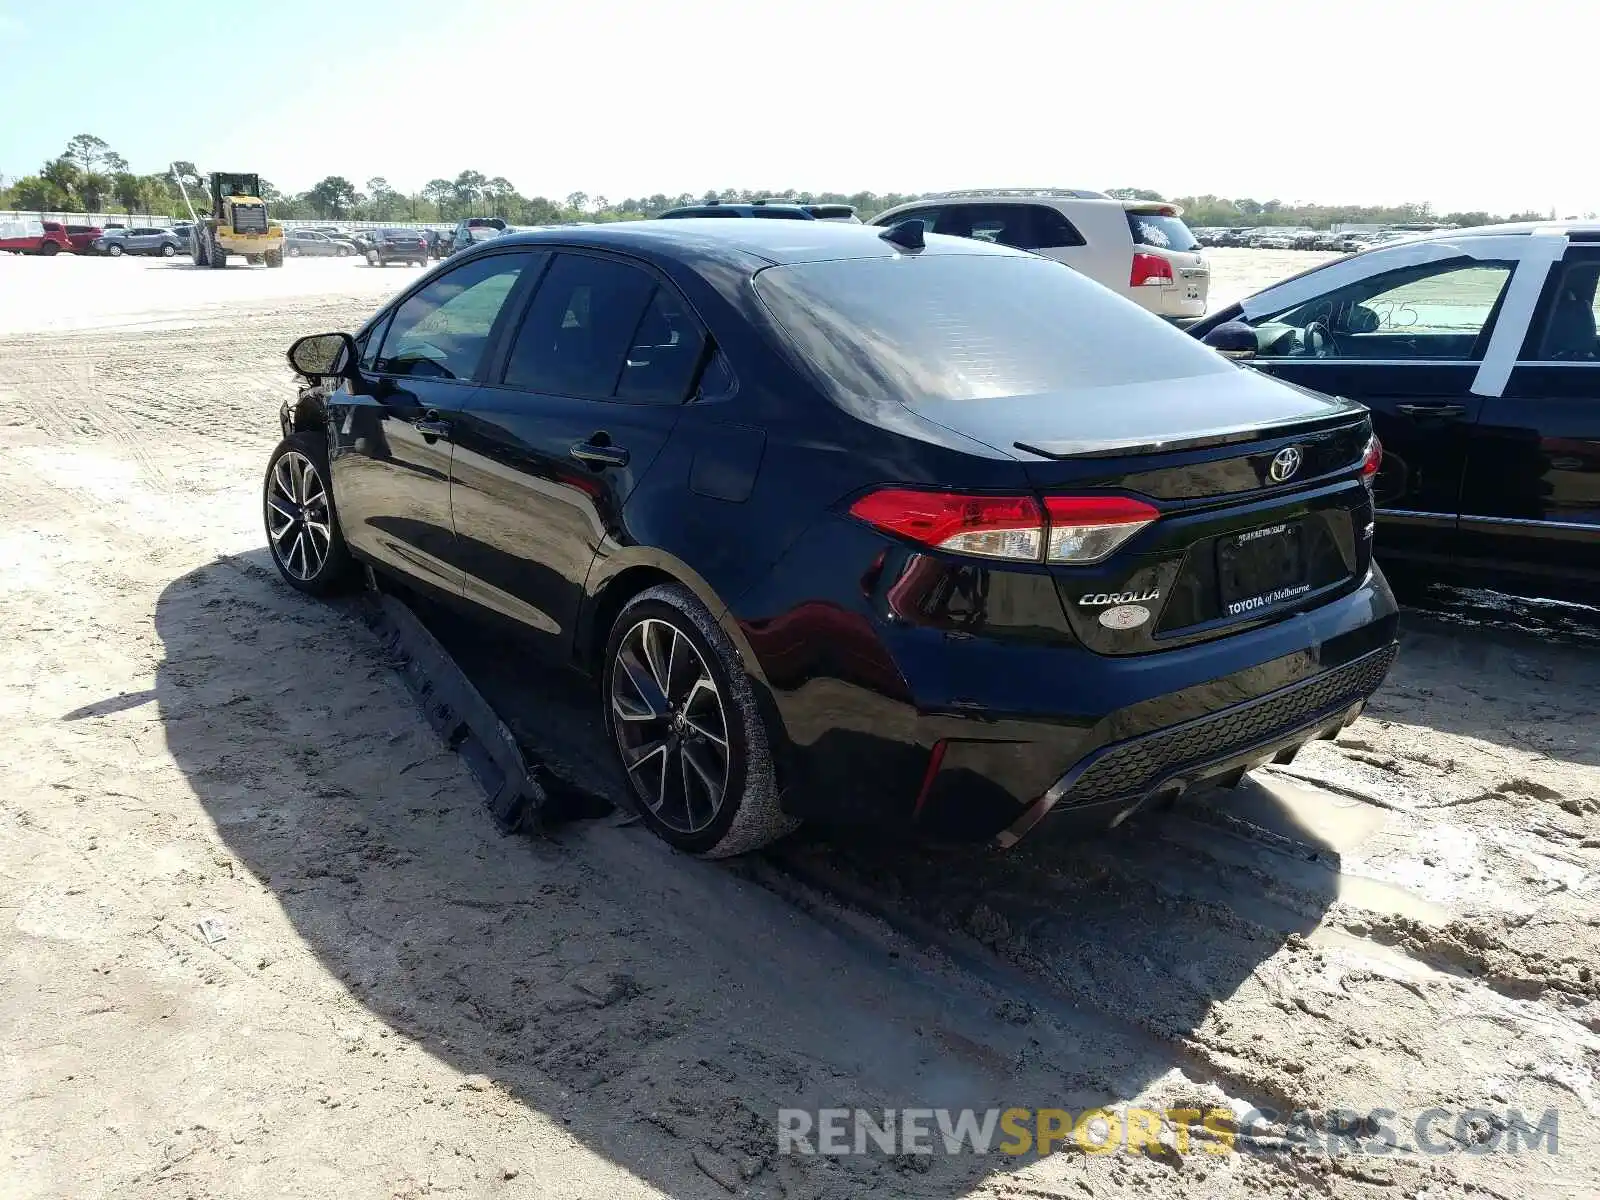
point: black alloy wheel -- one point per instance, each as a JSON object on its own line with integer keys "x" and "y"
{"x": 670, "y": 725}
{"x": 690, "y": 737}
{"x": 302, "y": 527}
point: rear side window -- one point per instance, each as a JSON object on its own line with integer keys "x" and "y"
{"x": 1052, "y": 231}
{"x": 1162, "y": 232}
{"x": 441, "y": 331}
{"x": 969, "y": 327}
{"x": 579, "y": 331}
{"x": 664, "y": 355}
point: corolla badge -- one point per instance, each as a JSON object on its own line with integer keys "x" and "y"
{"x": 1284, "y": 464}
{"x": 1125, "y": 616}
{"x": 1094, "y": 599}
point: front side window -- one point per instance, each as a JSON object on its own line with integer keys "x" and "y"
{"x": 442, "y": 331}
{"x": 1437, "y": 310}
{"x": 579, "y": 330}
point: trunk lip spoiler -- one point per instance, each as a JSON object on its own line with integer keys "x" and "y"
{"x": 1316, "y": 423}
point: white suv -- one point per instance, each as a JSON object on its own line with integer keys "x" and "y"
{"x": 1139, "y": 249}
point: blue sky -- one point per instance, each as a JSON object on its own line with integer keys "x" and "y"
{"x": 1366, "y": 101}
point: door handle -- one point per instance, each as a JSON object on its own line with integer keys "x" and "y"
{"x": 431, "y": 425}
{"x": 1450, "y": 411}
{"x": 599, "y": 454}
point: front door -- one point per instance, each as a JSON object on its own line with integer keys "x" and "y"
{"x": 1407, "y": 343}
{"x": 393, "y": 432}
{"x": 591, "y": 387}
{"x": 1530, "y": 506}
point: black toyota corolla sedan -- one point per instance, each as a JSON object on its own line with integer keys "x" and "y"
{"x": 849, "y": 522}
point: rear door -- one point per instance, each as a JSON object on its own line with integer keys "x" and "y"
{"x": 393, "y": 435}
{"x": 1407, "y": 343}
{"x": 1530, "y": 505}
{"x": 590, "y": 389}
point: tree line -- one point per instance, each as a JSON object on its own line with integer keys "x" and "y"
{"x": 89, "y": 176}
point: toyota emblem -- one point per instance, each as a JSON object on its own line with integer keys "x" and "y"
{"x": 1284, "y": 464}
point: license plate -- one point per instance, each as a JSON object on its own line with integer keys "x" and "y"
{"x": 1261, "y": 568}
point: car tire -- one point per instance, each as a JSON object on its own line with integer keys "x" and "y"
{"x": 294, "y": 251}
{"x": 49, "y": 249}
{"x": 114, "y": 250}
{"x": 303, "y": 533}
{"x": 168, "y": 250}
{"x": 341, "y": 252}
{"x": 693, "y": 720}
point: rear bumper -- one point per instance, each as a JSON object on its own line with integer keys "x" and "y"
{"x": 978, "y": 738}
{"x": 1175, "y": 301}
{"x": 1113, "y": 781}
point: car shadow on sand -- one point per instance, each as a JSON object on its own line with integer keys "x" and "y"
{"x": 664, "y": 1008}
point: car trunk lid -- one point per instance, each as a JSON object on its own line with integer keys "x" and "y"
{"x": 1259, "y": 490}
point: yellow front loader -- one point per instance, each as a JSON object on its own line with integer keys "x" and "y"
{"x": 238, "y": 223}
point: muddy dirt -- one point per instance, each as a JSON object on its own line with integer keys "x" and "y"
{"x": 258, "y": 936}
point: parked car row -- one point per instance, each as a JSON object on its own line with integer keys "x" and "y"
{"x": 1284, "y": 238}
{"x": 29, "y": 235}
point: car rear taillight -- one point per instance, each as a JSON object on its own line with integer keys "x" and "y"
{"x": 1149, "y": 269}
{"x": 1074, "y": 530}
{"x": 1371, "y": 458}
{"x": 988, "y": 526}
{"x": 1085, "y": 529}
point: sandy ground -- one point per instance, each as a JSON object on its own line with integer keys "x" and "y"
{"x": 258, "y": 938}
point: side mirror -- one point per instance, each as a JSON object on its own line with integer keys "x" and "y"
{"x": 323, "y": 354}
{"x": 1233, "y": 339}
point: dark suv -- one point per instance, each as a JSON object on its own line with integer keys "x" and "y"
{"x": 385, "y": 246}
{"x": 851, "y": 522}
{"x": 472, "y": 230}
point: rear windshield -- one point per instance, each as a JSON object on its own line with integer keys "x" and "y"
{"x": 1167, "y": 233}
{"x": 946, "y": 327}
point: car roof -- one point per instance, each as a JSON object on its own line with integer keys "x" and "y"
{"x": 770, "y": 242}
{"x": 1080, "y": 204}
